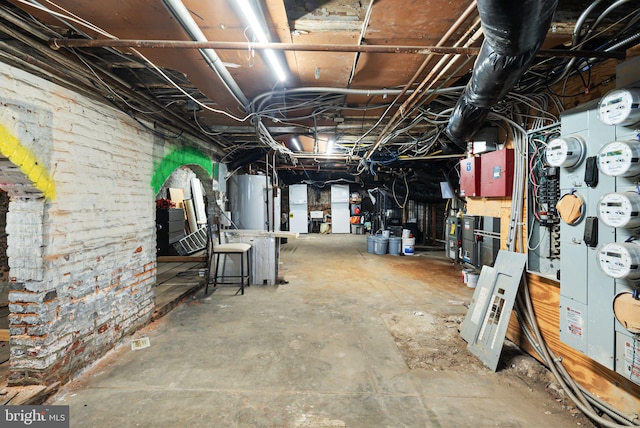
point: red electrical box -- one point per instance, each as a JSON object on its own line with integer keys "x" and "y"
{"x": 497, "y": 173}
{"x": 470, "y": 176}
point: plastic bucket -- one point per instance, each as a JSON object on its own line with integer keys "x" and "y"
{"x": 394, "y": 246}
{"x": 380, "y": 245}
{"x": 386, "y": 234}
{"x": 408, "y": 246}
{"x": 371, "y": 247}
{"x": 406, "y": 233}
{"x": 472, "y": 279}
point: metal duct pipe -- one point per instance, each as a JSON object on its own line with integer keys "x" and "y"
{"x": 183, "y": 16}
{"x": 514, "y": 32}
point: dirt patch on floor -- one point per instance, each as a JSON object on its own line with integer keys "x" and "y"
{"x": 431, "y": 342}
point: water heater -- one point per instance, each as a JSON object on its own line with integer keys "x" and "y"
{"x": 252, "y": 204}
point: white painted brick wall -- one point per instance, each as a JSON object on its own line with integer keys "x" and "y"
{"x": 92, "y": 252}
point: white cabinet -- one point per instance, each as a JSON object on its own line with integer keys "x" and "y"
{"x": 298, "y": 220}
{"x": 340, "y": 214}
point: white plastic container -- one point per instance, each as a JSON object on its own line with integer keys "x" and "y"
{"x": 408, "y": 246}
{"x": 472, "y": 279}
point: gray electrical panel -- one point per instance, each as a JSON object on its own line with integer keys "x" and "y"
{"x": 586, "y": 292}
{"x": 597, "y": 166}
{"x": 583, "y": 224}
{"x": 543, "y": 221}
{"x": 628, "y": 356}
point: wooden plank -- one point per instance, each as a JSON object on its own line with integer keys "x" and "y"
{"x": 165, "y": 267}
{"x": 169, "y": 274}
{"x": 173, "y": 296}
{"x": 4, "y": 335}
{"x": 602, "y": 76}
{"x": 494, "y": 207}
{"x": 600, "y": 381}
{"x": 180, "y": 259}
{"x": 27, "y": 395}
{"x": 172, "y": 288}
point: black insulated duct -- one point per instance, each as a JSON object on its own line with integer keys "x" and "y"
{"x": 513, "y": 34}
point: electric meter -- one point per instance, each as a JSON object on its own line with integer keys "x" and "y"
{"x": 620, "y": 107}
{"x": 620, "y": 260}
{"x": 620, "y": 209}
{"x": 620, "y": 158}
{"x": 565, "y": 151}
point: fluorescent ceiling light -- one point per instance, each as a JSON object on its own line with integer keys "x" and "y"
{"x": 329, "y": 148}
{"x": 260, "y": 34}
{"x": 296, "y": 144}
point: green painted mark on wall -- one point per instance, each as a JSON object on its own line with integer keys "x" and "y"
{"x": 175, "y": 159}
{"x": 27, "y": 162}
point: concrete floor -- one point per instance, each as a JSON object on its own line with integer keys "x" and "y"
{"x": 353, "y": 339}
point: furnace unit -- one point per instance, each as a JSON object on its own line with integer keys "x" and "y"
{"x": 469, "y": 242}
{"x": 453, "y": 238}
{"x": 489, "y": 241}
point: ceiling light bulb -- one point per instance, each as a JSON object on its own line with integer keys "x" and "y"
{"x": 296, "y": 144}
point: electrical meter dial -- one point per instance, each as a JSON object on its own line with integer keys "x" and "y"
{"x": 620, "y": 209}
{"x": 620, "y": 260}
{"x": 620, "y": 158}
{"x": 565, "y": 151}
{"x": 620, "y": 107}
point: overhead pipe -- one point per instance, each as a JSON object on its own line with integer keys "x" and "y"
{"x": 184, "y": 18}
{"x": 57, "y": 43}
{"x": 514, "y": 32}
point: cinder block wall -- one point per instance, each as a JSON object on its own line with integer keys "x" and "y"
{"x": 82, "y": 265}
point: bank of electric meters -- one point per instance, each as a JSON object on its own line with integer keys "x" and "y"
{"x": 620, "y": 107}
{"x": 620, "y": 260}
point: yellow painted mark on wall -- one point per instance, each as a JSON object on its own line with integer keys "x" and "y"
{"x": 23, "y": 158}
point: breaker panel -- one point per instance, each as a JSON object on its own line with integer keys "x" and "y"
{"x": 543, "y": 220}
{"x": 584, "y": 226}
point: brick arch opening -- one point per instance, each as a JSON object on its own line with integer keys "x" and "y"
{"x": 22, "y": 208}
{"x": 181, "y": 178}
{"x": 26, "y": 184}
